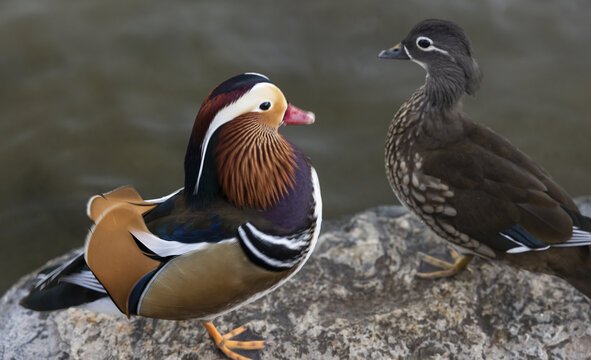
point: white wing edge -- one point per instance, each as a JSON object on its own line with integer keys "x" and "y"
{"x": 166, "y": 248}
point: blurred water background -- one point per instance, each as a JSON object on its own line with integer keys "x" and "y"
{"x": 98, "y": 94}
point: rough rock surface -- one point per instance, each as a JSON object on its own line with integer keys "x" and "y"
{"x": 357, "y": 298}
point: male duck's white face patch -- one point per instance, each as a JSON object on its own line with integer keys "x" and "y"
{"x": 260, "y": 98}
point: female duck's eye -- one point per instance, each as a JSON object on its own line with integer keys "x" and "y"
{"x": 265, "y": 106}
{"x": 423, "y": 42}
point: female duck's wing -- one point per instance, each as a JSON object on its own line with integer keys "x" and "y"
{"x": 486, "y": 194}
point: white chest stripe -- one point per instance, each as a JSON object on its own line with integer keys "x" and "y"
{"x": 303, "y": 243}
{"x": 277, "y": 240}
{"x": 268, "y": 260}
{"x": 317, "y": 214}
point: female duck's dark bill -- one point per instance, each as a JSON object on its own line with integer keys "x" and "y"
{"x": 296, "y": 116}
{"x": 395, "y": 52}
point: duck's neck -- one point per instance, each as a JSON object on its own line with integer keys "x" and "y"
{"x": 444, "y": 88}
{"x": 295, "y": 210}
{"x": 433, "y": 123}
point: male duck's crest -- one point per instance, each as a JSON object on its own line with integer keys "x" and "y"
{"x": 235, "y": 147}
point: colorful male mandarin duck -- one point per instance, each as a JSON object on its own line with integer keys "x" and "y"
{"x": 469, "y": 184}
{"x": 246, "y": 221}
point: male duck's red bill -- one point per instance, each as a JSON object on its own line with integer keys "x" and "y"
{"x": 296, "y": 116}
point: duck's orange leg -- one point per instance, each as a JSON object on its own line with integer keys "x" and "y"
{"x": 227, "y": 345}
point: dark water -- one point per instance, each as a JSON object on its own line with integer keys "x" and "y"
{"x": 94, "y": 95}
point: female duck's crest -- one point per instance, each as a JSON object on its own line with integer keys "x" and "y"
{"x": 443, "y": 49}
{"x": 235, "y": 148}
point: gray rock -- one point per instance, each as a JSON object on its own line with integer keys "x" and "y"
{"x": 358, "y": 297}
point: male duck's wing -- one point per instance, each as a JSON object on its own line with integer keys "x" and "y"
{"x": 483, "y": 188}
{"x": 68, "y": 284}
{"x": 175, "y": 227}
{"x": 132, "y": 239}
{"x": 124, "y": 253}
{"x": 72, "y": 283}
{"x": 121, "y": 252}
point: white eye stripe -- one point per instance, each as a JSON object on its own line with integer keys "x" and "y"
{"x": 424, "y": 38}
{"x": 431, "y": 47}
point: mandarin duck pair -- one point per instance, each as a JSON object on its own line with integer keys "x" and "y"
{"x": 250, "y": 212}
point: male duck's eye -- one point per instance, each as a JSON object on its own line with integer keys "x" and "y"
{"x": 423, "y": 43}
{"x": 265, "y": 106}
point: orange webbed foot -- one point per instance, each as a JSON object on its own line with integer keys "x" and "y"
{"x": 239, "y": 344}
